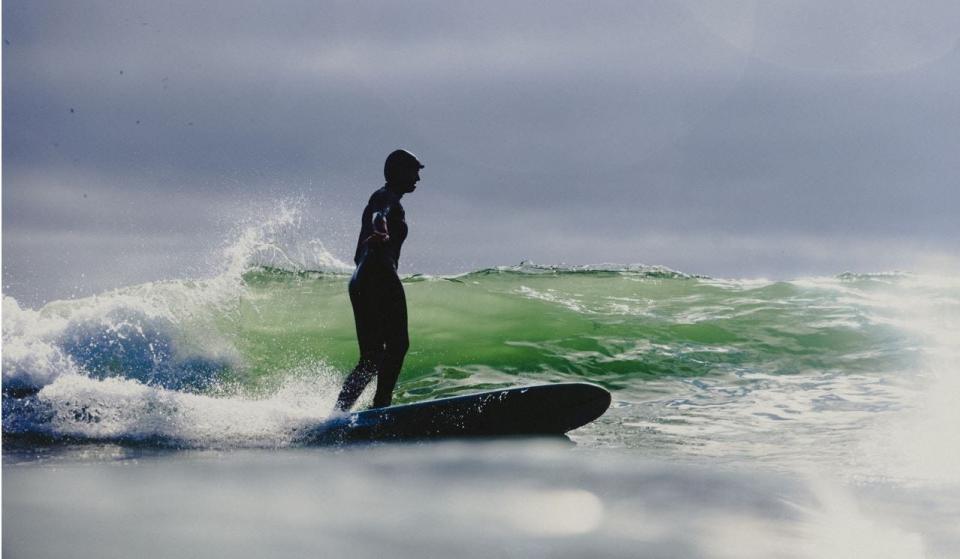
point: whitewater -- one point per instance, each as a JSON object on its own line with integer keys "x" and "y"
{"x": 808, "y": 417}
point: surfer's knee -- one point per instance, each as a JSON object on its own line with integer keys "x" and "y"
{"x": 397, "y": 352}
{"x": 398, "y": 347}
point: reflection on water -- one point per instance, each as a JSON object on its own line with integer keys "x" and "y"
{"x": 525, "y": 498}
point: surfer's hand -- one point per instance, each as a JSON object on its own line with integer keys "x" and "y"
{"x": 377, "y": 237}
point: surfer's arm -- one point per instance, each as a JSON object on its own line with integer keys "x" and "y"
{"x": 380, "y": 231}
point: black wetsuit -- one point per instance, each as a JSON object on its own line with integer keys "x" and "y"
{"x": 379, "y": 304}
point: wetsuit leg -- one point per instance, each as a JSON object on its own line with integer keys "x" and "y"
{"x": 368, "y": 318}
{"x": 396, "y": 342}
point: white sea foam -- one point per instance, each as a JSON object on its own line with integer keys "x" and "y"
{"x": 31, "y": 358}
{"x": 158, "y": 332}
{"x": 122, "y": 409}
{"x": 923, "y": 443}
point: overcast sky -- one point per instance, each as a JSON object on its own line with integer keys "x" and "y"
{"x": 735, "y": 139}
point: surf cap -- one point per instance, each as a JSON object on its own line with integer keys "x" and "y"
{"x": 399, "y": 161}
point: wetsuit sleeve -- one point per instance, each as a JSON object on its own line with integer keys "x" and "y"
{"x": 379, "y": 221}
{"x": 384, "y": 211}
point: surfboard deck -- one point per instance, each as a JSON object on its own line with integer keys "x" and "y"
{"x": 547, "y": 409}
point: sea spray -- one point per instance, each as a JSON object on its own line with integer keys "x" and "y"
{"x": 123, "y": 364}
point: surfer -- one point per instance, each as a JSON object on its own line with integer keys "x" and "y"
{"x": 379, "y": 304}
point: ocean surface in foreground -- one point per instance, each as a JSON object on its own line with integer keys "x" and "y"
{"x": 523, "y": 498}
{"x": 751, "y": 418}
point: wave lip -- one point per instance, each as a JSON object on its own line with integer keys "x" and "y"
{"x": 102, "y": 337}
{"x": 530, "y": 268}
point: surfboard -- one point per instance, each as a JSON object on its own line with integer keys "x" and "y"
{"x": 547, "y": 409}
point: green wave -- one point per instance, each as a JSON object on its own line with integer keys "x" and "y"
{"x": 614, "y": 326}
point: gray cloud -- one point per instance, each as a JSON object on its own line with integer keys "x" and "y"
{"x": 550, "y": 131}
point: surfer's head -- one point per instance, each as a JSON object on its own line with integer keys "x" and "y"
{"x": 402, "y": 170}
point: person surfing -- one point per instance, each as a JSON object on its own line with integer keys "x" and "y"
{"x": 376, "y": 294}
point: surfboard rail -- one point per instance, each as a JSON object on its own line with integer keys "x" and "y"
{"x": 545, "y": 409}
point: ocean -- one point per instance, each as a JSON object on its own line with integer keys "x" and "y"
{"x": 811, "y": 417}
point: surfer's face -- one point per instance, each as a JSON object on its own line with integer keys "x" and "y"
{"x": 406, "y": 180}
